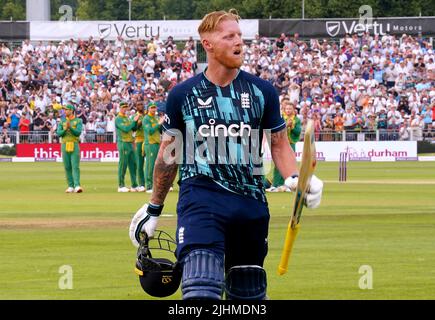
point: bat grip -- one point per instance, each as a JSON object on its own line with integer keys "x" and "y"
{"x": 287, "y": 249}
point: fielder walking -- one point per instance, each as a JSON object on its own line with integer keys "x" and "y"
{"x": 69, "y": 130}
{"x": 222, "y": 211}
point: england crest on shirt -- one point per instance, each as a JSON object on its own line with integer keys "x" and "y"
{"x": 246, "y": 102}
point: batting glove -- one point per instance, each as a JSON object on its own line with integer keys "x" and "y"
{"x": 145, "y": 220}
{"x": 313, "y": 196}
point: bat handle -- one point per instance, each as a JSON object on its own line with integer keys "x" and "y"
{"x": 287, "y": 249}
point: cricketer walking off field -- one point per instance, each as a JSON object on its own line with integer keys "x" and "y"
{"x": 69, "y": 131}
{"x": 222, "y": 210}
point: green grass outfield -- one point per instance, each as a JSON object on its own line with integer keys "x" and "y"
{"x": 383, "y": 217}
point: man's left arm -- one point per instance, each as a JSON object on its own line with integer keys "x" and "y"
{"x": 285, "y": 161}
{"x": 283, "y": 155}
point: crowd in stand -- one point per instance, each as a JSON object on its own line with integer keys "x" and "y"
{"x": 362, "y": 83}
{"x": 37, "y": 79}
{"x": 357, "y": 84}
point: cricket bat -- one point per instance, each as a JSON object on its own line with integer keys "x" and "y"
{"x": 308, "y": 164}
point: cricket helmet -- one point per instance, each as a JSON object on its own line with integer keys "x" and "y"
{"x": 159, "y": 277}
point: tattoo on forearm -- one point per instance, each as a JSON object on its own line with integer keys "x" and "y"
{"x": 164, "y": 175}
{"x": 277, "y": 136}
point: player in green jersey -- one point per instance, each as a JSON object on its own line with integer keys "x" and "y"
{"x": 294, "y": 128}
{"x": 125, "y": 142}
{"x": 140, "y": 148}
{"x": 69, "y": 131}
{"x": 151, "y": 126}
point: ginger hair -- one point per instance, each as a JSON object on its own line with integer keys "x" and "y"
{"x": 211, "y": 20}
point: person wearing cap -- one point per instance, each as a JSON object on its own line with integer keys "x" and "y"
{"x": 151, "y": 126}
{"x": 69, "y": 130}
{"x": 124, "y": 132}
{"x": 140, "y": 147}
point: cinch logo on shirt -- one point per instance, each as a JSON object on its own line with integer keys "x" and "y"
{"x": 233, "y": 130}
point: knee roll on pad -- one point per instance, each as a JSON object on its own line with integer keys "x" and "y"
{"x": 246, "y": 283}
{"x": 203, "y": 276}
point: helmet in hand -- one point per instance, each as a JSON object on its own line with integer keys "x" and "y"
{"x": 159, "y": 277}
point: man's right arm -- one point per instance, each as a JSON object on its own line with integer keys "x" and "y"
{"x": 60, "y": 130}
{"x": 165, "y": 170}
{"x": 124, "y": 128}
{"x": 170, "y": 152}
